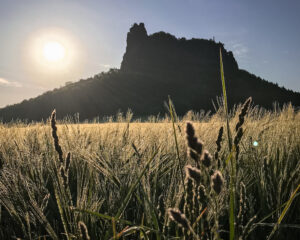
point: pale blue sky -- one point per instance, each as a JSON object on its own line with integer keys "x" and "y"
{"x": 263, "y": 35}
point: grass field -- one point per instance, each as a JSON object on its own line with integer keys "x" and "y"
{"x": 121, "y": 177}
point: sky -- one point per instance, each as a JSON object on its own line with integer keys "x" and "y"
{"x": 263, "y": 35}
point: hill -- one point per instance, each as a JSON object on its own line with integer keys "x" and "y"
{"x": 153, "y": 67}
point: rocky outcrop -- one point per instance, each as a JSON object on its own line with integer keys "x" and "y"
{"x": 153, "y": 67}
{"x": 162, "y": 51}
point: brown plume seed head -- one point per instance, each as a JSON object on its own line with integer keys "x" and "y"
{"x": 193, "y": 155}
{"x": 64, "y": 176}
{"x": 68, "y": 161}
{"x": 238, "y": 136}
{"x": 192, "y": 140}
{"x": 243, "y": 113}
{"x": 219, "y": 140}
{"x": 55, "y": 137}
{"x": 195, "y": 145}
{"x": 246, "y": 105}
{"x": 206, "y": 158}
{"x": 193, "y": 173}
{"x": 217, "y": 181}
{"x": 189, "y": 130}
{"x": 178, "y": 217}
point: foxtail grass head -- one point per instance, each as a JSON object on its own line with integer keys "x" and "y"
{"x": 219, "y": 140}
{"x": 243, "y": 113}
{"x": 55, "y": 137}
{"x": 218, "y": 143}
{"x": 192, "y": 141}
{"x": 217, "y": 181}
{"x": 193, "y": 173}
{"x": 178, "y": 217}
{"x": 68, "y": 161}
{"x": 206, "y": 158}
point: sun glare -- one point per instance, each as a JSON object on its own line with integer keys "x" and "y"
{"x": 53, "y": 56}
{"x": 51, "y": 51}
{"x": 54, "y": 51}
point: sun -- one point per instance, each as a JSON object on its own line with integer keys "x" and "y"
{"x": 53, "y": 51}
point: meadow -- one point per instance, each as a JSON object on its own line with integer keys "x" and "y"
{"x": 132, "y": 179}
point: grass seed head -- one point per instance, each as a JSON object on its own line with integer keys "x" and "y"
{"x": 193, "y": 173}
{"x": 189, "y": 130}
{"x": 193, "y": 155}
{"x": 198, "y": 147}
{"x": 64, "y": 175}
{"x": 206, "y": 158}
{"x": 55, "y": 137}
{"x": 217, "y": 181}
{"x": 238, "y": 136}
{"x": 178, "y": 217}
{"x": 68, "y": 161}
{"x": 219, "y": 140}
{"x": 243, "y": 113}
{"x": 246, "y": 106}
{"x": 192, "y": 140}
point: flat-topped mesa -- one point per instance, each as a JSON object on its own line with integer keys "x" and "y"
{"x": 162, "y": 52}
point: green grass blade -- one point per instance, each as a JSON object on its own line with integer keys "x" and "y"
{"x": 231, "y": 211}
{"x": 225, "y": 101}
{"x": 172, "y": 113}
{"x": 153, "y": 214}
{"x": 284, "y": 212}
{"x": 132, "y": 188}
{"x": 101, "y": 215}
{"x": 272, "y": 213}
{"x": 61, "y": 212}
{"x": 232, "y": 171}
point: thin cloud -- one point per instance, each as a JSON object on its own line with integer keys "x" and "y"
{"x": 240, "y": 50}
{"x": 7, "y": 83}
{"x": 105, "y": 66}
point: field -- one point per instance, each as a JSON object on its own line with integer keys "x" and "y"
{"x": 122, "y": 178}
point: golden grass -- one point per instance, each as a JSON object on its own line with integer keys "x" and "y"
{"x": 107, "y": 158}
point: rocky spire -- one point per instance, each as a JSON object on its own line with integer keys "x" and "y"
{"x": 136, "y": 34}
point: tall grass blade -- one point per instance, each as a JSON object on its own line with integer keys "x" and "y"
{"x": 153, "y": 215}
{"x": 132, "y": 188}
{"x": 225, "y": 101}
{"x": 172, "y": 113}
{"x": 232, "y": 184}
{"x": 231, "y": 211}
{"x": 284, "y": 212}
{"x": 113, "y": 222}
{"x": 61, "y": 212}
{"x": 102, "y": 216}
